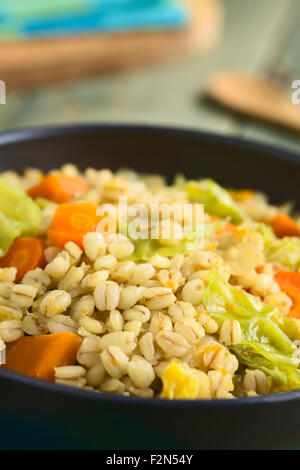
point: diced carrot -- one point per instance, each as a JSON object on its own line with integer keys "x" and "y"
{"x": 227, "y": 229}
{"x": 213, "y": 218}
{"x": 71, "y": 222}
{"x": 37, "y": 356}
{"x": 241, "y": 194}
{"x": 288, "y": 278}
{"x": 259, "y": 269}
{"x": 25, "y": 254}
{"x": 283, "y": 225}
{"x": 58, "y": 188}
{"x": 289, "y": 282}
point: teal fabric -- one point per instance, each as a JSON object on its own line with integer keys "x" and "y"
{"x": 22, "y": 18}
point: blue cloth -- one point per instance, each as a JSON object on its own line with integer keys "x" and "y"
{"x": 51, "y": 17}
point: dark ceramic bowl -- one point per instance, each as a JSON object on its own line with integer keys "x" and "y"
{"x": 36, "y": 414}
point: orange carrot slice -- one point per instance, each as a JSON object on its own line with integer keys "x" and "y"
{"x": 241, "y": 194}
{"x": 259, "y": 269}
{"x": 71, "y": 222}
{"x": 227, "y": 229}
{"x": 25, "y": 254}
{"x": 289, "y": 282}
{"x": 213, "y": 218}
{"x": 58, "y": 188}
{"x": 37, "y": 356}
{"x": 283, "y": 225}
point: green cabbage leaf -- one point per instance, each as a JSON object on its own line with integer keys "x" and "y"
{"x": 19, "y": 215}
{"x": 216, "y": 200}
{"x": 267, "y": 337}
{"x": 285, "y": 251}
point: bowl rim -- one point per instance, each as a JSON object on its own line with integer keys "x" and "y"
{"x": 154, "y": 402}
{"x": 42, "y": 132}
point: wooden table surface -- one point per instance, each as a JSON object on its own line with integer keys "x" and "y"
{"x": 261, "y": 36}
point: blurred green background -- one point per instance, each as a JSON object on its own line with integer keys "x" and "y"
{"x": 260, "y": 36}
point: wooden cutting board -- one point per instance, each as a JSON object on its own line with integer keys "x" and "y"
{"x": 32, "y": 62}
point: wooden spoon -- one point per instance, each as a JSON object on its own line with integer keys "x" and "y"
{"x": 256, "y": 97}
